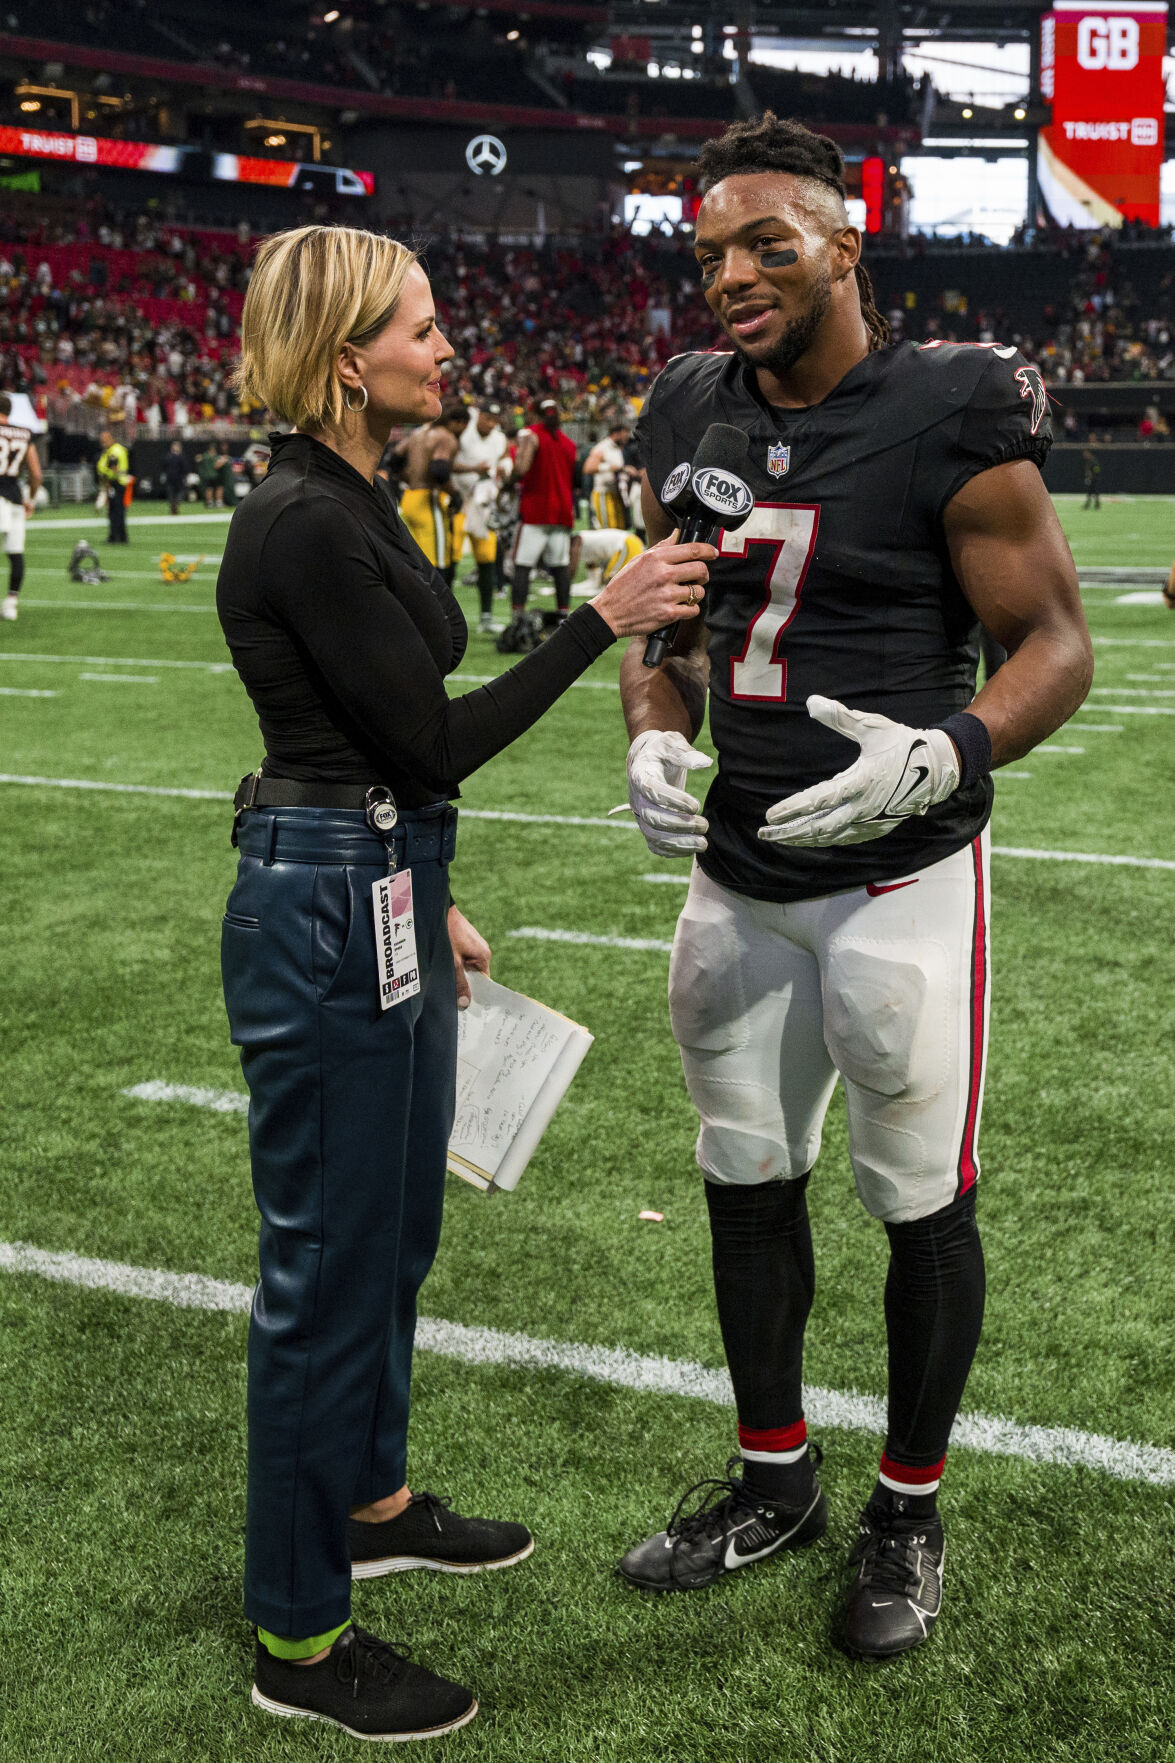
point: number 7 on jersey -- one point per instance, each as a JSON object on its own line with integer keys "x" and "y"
{"x": 790, "y": 528}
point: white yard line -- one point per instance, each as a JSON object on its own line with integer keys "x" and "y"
{"x": 1134, "y": 642}
{"x": 124, "y": 679}
{"x": 653, "y": 875}
{"x": 110, "y": 606}
{"x": 1055, "y": 747}
{"x": 81, "y": 783}
{"x": 1135, "y": 691}
{"x": 112, "y": 661}
{"x": 73, "y": 783}
{"x": 178, "y": 521}
{"x": 535, "y": 933}
{"x": 219, "y": 1101}
{"x": 1099, "y": 728}
{"x": 1127, "y": 710}
{"x": 841, "y": 1410}
{"x": 25, "y": 692}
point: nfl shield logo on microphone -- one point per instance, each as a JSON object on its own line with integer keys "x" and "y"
{"x": 778, "y": 459}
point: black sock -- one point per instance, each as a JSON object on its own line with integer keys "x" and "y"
{"x": 521, "y": 586}
{"x": 934, "y": 1293}
{"x": 905, "y": 1505}
{"x": 562, "y": 580}
{"x": 485, "y": 588}
{"x": 15, "y": 572}
{"x": 764, "y": 1279}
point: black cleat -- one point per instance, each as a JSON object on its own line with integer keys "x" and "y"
{"x": 729, "y": 1528}
{"x": 366, "y": 1686}
{"x": 896, "y": 1593}
{"x": 427, "y": 1534}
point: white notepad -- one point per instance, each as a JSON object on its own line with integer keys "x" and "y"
{"x": 515, "y": 1060}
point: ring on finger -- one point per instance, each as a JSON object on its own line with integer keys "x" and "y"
{"x": 692, "y": 598}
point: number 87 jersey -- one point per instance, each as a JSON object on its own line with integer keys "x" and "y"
{"x": 840, "y": 583}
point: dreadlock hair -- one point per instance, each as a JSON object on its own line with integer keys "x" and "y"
{"x": 773, "y": 143}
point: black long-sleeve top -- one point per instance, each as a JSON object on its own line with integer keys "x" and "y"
{"x": 342, "y": 632}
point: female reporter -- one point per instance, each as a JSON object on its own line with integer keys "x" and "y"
{"x": 342, "y": 633}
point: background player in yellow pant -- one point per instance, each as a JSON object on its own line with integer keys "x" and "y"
{"x": 476, "y": 474}
{"x": 604, "y": 465}
{"x": 427, "y": 504}
{"x": 602, "y": 551}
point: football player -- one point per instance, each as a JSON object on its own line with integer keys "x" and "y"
{"x": 428, "y": 503}
{"x": 838, "y": 911}
{"x": 17, "y": 454}
{"x": 605, "y": 466}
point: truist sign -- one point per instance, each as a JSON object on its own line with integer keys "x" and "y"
{"x": 1102, "y": 69}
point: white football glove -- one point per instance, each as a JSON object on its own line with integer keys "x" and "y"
{"x": 901, "y": 771}
{"x": 670, "y": 819}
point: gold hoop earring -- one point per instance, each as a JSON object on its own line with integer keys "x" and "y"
{"x": 355, "y": 409}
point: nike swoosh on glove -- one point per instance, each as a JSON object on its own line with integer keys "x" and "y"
{"x": 670, "y": 819}
{"x": 901, "y": 771}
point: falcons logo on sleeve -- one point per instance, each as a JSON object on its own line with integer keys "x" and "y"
{"x": 1032, "y": 386}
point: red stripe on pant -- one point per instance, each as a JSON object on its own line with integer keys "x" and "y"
{"x": 908, "y": 1474}
{"x": 773, "y": 1438}
{"x": 968, "y": 1166}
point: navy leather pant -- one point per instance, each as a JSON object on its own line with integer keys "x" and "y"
{"x": 350, "y": 1110}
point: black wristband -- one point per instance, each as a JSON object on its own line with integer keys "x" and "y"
{"x": 974, "y": 743}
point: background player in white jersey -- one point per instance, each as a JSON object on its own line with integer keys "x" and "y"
{"x": 17, "y": 455}
{"x": 602, "y": 551}
{"x": 836, "y": 922}
{"x": 605, "y": 466}
{"x": 477, "y": 471}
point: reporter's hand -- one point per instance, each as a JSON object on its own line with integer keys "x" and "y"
{"x": 664, "y": 585}
{"x": 470, "y": 949}
{"x": 670, "y": 819}
{"x": 900, "y": 771}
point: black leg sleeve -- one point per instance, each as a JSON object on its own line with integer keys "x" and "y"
{"x": 15, "y": 572}
{"x": 934, "y": 1295}
{"x": 562, "y": 580}
{"x": 764, "y": 1279}
{"x": 521, "y": 587}
{"x": 486, "y": 575}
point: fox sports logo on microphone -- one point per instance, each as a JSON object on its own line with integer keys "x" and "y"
{"x": 722, "y": 492}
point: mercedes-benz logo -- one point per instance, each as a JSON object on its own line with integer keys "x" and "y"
{"x": 486, "y": 156}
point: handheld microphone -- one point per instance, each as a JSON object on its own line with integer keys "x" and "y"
{"x": 708, "y": 497}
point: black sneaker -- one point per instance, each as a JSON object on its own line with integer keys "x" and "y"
{"x": 896, "y": 1594}
{"x": 427, "y": 1534}
{"x": 367, "y": 1686}
{"x": 728, "y": 1528}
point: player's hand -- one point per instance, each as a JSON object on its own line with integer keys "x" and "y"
{"x": 470, "y": 949}
{"x": 901, "y": 771}
{"x": 671, "y": 820}
{"x": 664, "y": 585}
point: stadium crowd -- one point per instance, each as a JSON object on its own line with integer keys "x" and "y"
{"x": 140, "y": 317}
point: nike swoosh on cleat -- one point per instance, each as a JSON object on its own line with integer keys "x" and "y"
{"x": 876, "y": 889}
{"x": 734, "y": 1559}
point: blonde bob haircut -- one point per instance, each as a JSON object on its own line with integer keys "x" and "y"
{"x": 312, "y": 290}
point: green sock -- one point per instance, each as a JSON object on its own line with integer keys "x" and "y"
{"x": 284, "y": 1647}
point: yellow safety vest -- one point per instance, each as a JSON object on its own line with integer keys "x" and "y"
{"x": 115, "y": 463}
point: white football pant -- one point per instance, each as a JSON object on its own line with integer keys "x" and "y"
{"x": 886, "y": 985}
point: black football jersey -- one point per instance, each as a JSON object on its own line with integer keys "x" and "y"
{"x": 840, "y": 582}
{"x": 14, "y": 446}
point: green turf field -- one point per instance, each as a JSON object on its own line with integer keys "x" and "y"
{"x": 121, "y": 1417}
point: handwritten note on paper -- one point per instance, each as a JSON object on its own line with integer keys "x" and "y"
{"x": 515, "y": 1059}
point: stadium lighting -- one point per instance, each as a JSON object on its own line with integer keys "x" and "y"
{"x": 967, "y": 113}
{"x": 329, "y": 17}
{"x": 698, "y": 48}
{"x": 1019, "y": 113}
{"x": 31, "y": 104}
{"x": 275, "y": 140}
{"x": 695, "y": 30}
{"x": 512, "y": 36}
{"x": 653, "y": 69}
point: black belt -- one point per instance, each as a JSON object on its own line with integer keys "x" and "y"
{"x": 255, "y": 791}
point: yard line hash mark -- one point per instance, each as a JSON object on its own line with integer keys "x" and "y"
{"x": 218, "y": 1101}
{"x": 657, "y": 945}
{"x": 844, "y": 1410}
{"x": 124, "y": 679}
{"x": 25, "y": 692}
